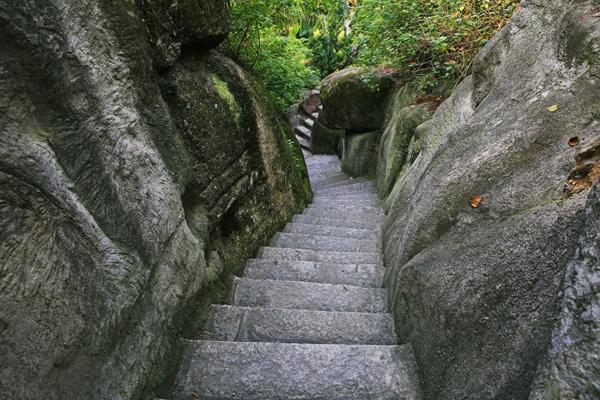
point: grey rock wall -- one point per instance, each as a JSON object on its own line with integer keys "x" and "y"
{"x": 137, "y": 171}
{"x": 572, "y": 367}
{"x": 475, "y": 288}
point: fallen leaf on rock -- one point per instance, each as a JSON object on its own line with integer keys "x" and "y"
{"x": 476, "y": 201}
{"x": 553, "y": 108}
{"x": 574, "y": 141}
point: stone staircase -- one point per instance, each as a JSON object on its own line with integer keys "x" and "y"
{"x": 309, "y": 318}
{"x": 303, "y": 130}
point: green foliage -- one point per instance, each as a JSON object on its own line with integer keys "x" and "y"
{"x": 289, "y": 44}
{"x": 263, "y": 37}
{"x": 430, "y": 40}
{"x": 326, "y": 25}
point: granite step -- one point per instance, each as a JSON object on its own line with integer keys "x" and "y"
{"x": 352, "y": 188}
{"x": 348, "y": 208}
{"x": 244, "y": 324}
{"x": 339, "y": 223}
{"x": 324, "y": 243}
{"x": 308, "y": 122}
{"x": 295, "y": 254}
{"x": 322, "y": 230}
{"x": 346, "y": 196}
{"x": 270, "y": 371}
{"x": 339, "y": 182}
{"x": 318, "y": 201}
{"x": 307, "y": 296}
{"x": 327, "y": 159}
{"x": 323, "y": 173}
{"x": 343, "y": 215}
{"x": 327, "y": 181}
{"x": 364, "y": 275}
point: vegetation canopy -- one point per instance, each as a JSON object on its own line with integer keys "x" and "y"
{"x": 292, "y": 44}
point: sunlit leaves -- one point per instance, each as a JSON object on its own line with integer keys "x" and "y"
{"x": 264, "y": 37}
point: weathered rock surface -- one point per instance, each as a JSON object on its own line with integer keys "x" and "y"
{"x": 137, "y": 171}
{"x": 325, "y": 140}
{"x": 359, "y": 155}
{"x": 355, "y": 99}
{"x": 183, "y": 26}
{"x": 474, "y": 290}
{"x": 399, "y": 143}
{"x": 572, "y": 369}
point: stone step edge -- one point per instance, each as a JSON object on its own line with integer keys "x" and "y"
{"x": 323, "y": 237}
{"x": 288, "y": 229}
{"x": 397, "y": 362}
{"x": 216, "y": 309}
{"x": 275, "y": 282}
{"x": 337, "y": 215}
{"x": 362, "y": 275}
{"x": 262, "y": 249}
{"x": 335, "y": 223}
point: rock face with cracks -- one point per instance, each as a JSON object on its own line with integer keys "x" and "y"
{"x": 482, "y": 224}
{"x": 138, "y": 170}
{"x": 572, "y": 368}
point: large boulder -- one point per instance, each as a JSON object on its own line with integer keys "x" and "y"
{"x": 572, "y": 368}
{"x": 482, "y": 224}
{"x": 355, "y": 99}
{"x": 359, "y": 154}
{"x": 128, "y": 196}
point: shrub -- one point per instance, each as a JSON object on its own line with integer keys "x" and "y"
{"x": 430, "y": 40}
{"x": 326, "y": 25}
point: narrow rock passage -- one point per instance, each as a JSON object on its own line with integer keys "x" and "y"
{"x": 309, "y": 319}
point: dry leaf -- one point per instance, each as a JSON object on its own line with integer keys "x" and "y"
{"x": 574, "y": 141}
{"x": 553, "y": 108}
{"x": 476, "y": 201}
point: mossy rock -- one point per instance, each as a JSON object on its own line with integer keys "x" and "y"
{"x": 356, "y": 99}
{"x": 325, "y": 140}
{"x": 397, "y": 142}
{"x": 359, "y": 156}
